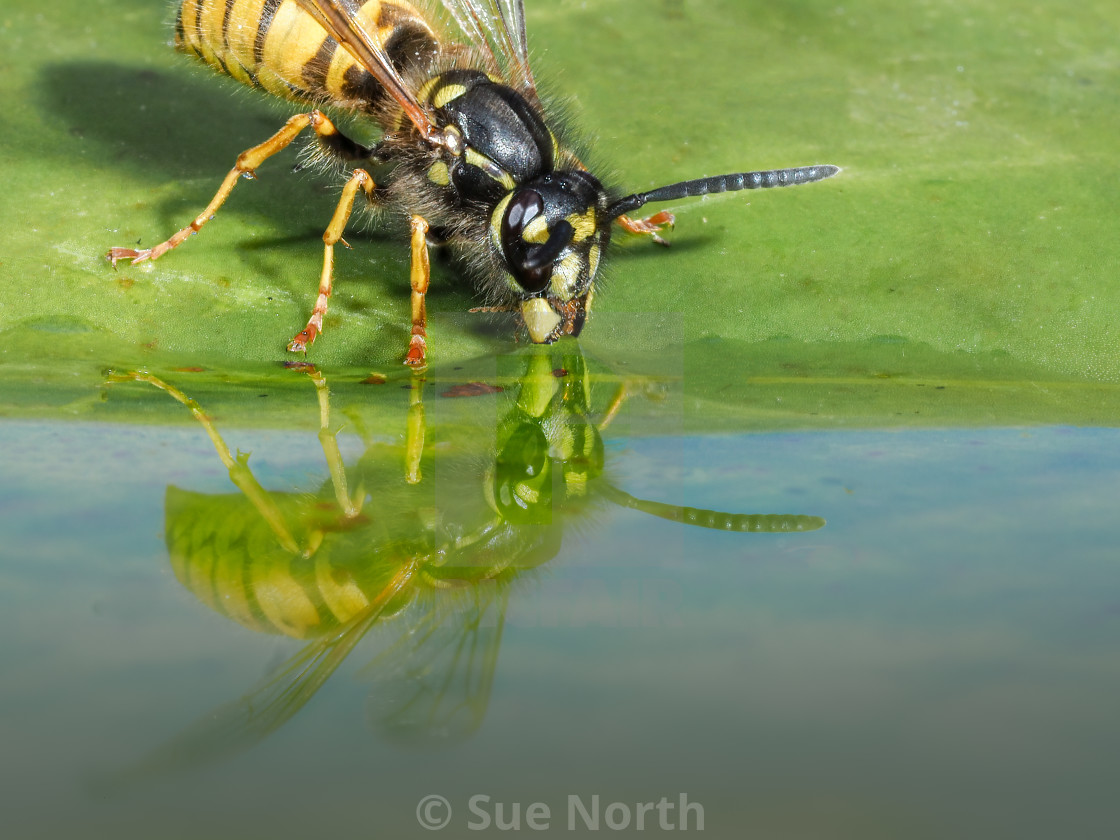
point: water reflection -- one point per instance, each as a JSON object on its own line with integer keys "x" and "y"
{"x": 422, "y": 544}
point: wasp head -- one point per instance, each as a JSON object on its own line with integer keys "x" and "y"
{"x": 550, "y": 233}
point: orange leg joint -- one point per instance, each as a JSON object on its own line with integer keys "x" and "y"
{"x": 360, "y": 180}
{"x": 245, "y": 167}
{"x": 420, "y": 276}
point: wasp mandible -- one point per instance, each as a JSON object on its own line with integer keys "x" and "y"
{"x": 466, "y": 154}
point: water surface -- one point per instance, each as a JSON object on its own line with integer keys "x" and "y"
{"x": 937, "y": 660}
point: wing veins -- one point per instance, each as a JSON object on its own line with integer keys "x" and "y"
{"x": 499, "y": 27}
{"x": 339, "y": 18}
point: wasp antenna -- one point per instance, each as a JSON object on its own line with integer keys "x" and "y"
{"x": 725, "y": 183}
{"x": 761, "y": 523}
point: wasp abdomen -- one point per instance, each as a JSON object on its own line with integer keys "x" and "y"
{"x": 277, "y": 46}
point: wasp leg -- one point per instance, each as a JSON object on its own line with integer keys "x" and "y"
{"x": 360, "y": 180}
{"x": 420, "y": 276}
{"x": 613, "y": 409}
{"x": 649, "y": 225}
{"x": 415, "y": 431}
{"x": 238, "y": 466}
{"x": 245, "y": 167}
{"x": 351, "y": 506}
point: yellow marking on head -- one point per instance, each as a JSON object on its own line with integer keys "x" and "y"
{"x": 536, "y": 231}
{"x": 439, "y": 174}
{"x": 496, "y": 223}
{"x": 565, "y": 276}
{"x": 584, "y": 224}
{"x": 447, "y": 93}
{"x": 593, "y": 259}
{"x": 540, "y": 319}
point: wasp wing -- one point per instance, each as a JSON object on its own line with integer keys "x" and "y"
{"x": 432, "y": 686}
{"x": 342, "y": 22}
{"x": 498, "y": 26}
{"x": 245, "y": 722}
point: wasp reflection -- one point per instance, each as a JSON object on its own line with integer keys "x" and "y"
{"x": 420, "y": 543}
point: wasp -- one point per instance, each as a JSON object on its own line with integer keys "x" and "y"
{"x": 467, "y": 153}
{"x": 376, "y": 546}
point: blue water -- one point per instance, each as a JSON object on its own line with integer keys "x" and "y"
{"x": 939, "y": 660}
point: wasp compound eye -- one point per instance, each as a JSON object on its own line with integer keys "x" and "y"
{"x": 531, "y": 246}
{"x": 523, "y": 477}
{"x": 518, "y": 233}
{"x": 524, "y": 207}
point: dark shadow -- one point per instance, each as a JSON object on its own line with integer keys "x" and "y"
{"x": 166, "y": 125}
{"x": 683, "y": 239}
{"x": 188, "y": 127}
{"x": 180, "y": 132}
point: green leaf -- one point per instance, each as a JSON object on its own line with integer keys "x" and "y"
{"x": 970, "y": 237}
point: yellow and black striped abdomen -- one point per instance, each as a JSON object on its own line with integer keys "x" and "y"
{"x": 228, "y": 556}
{"x": 277, "y": 46}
